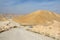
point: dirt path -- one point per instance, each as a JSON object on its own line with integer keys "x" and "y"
{"x": 21, "y": 34}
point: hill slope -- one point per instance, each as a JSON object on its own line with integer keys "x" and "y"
{"x": 37, "y": 17}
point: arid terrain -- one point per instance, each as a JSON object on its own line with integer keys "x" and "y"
{"x": 43, "y": 22}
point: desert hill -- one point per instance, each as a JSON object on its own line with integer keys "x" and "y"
{"x": 44, "y": 22}
{"x": 37, "y": 17}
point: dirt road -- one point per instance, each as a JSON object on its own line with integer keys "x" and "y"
{"x": 21, "y": 34}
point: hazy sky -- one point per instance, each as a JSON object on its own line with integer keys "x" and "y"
{"x": 27, "y": 6}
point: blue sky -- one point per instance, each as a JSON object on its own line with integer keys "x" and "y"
{"x": 28, "y": 6}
